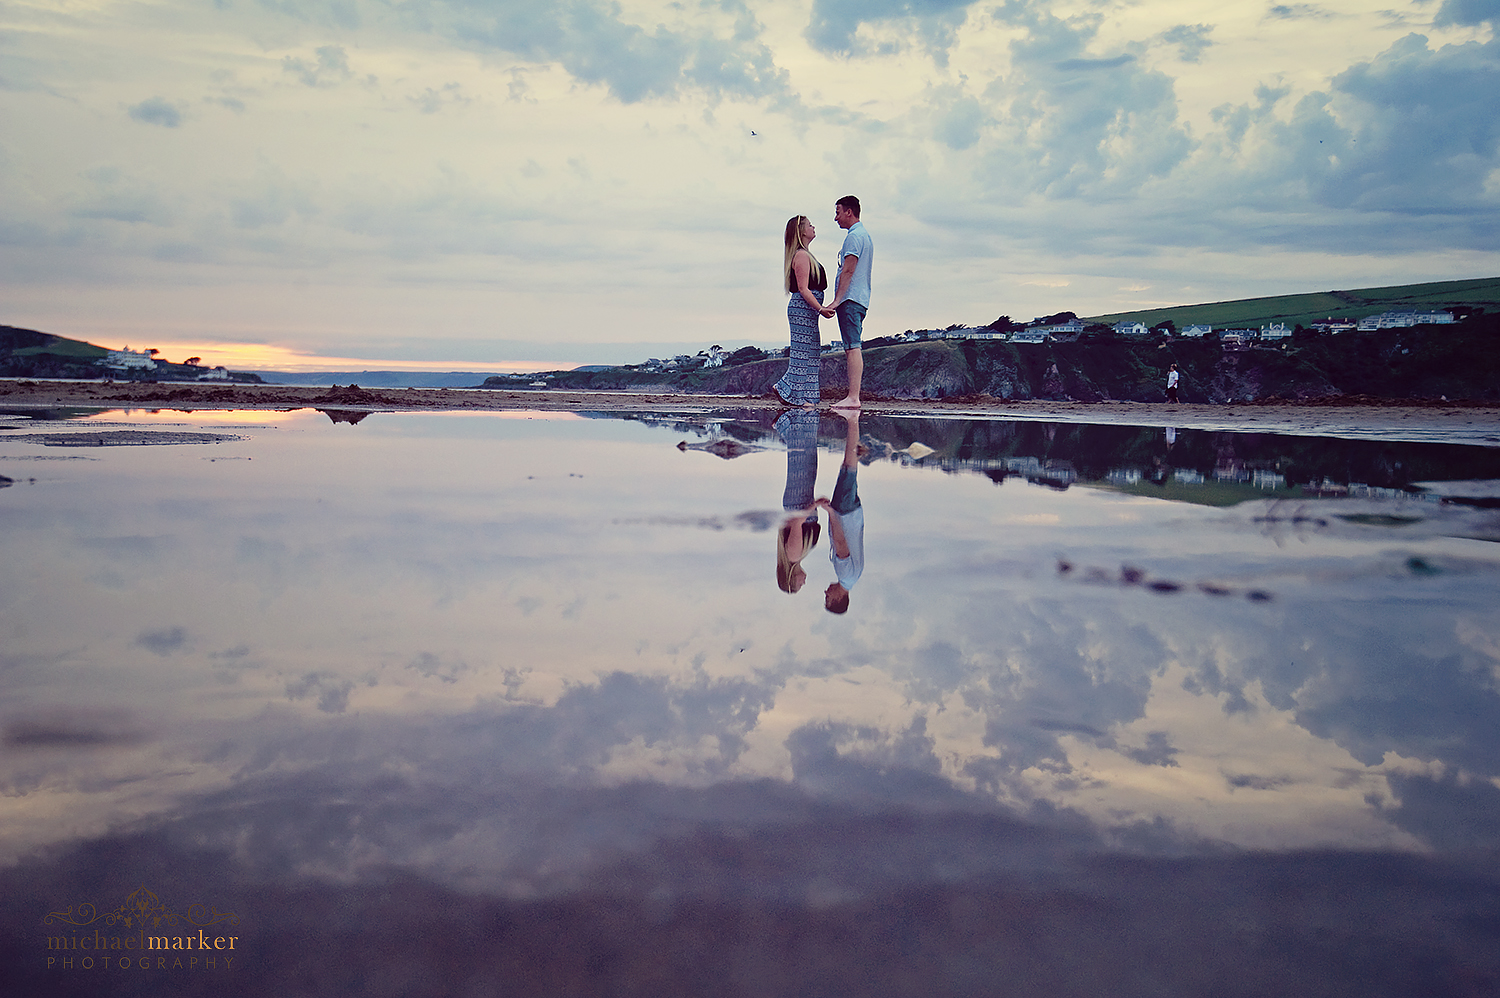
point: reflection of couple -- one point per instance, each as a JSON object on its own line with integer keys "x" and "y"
{"x": 799, "y": 531}
{"x": 806, "y": 280}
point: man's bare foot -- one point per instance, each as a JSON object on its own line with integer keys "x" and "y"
{"x": 846, "y": 403}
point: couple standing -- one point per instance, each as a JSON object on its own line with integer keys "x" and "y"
{"x": 806, "y": 281}
{"x": 799, "y": 531}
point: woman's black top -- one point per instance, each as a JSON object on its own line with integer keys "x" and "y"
{"x": 817, "y": 277}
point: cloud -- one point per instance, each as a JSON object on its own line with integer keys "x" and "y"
{"x": 1075, "y": 123}
{"x": 1298, "y": 12}
{"x": 331, "y": 690}
{"x": 329, "y": 68}
{"x": 1450, "y": 814}
{"x": 1158, "y": 751}
{"x": 73, "y": 729}
{"x": 1190, "y": 39}
{"x": 1467, "y": 12}
{"x": 435, "y": 667}
{"x": 1399, "y": 153}
{"x": 164, "y": 642}
{"x": 270, "y": 199}
{"x": 1424, "y": 133}
{"x": 957, "y": 118}
{"x": 157, "y": 111}
{"x": 853, "y": 762}
{"x": 596, "y": 45}
{"x": 1406, "y": 135}
{"x": 432, "y": 100}
{"x": 834, "y": 24}
{"x": 338, "y": 13}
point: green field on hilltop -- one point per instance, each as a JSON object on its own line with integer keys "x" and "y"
{"x": 1309, "y": 308}
{"x": 61, "y": 346}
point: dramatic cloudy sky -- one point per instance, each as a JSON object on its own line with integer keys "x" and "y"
{"x": 467, "y": 183}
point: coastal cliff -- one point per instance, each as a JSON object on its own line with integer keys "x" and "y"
{"x": 1459, "y": 362}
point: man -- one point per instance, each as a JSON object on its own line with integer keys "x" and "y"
{"x": 1172, "y": 378}
{"x": 851, "y": 298}
{"x": 846, "y": 523}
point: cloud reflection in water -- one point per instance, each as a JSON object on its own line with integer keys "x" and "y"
{"x": 530, "y": 660}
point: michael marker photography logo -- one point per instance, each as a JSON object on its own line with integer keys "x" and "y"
{"x": 142, "y": 934}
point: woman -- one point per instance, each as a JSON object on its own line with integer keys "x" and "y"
{"x": 796, "y": 536}
{"x": 806, "y": 280}
{"x": 799, "y": 530}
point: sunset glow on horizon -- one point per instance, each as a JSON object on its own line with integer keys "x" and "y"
{"x": 271, "y": 357}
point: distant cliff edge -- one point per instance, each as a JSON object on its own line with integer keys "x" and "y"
{"x": 1460, "y": 361}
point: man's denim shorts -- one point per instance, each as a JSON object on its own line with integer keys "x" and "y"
{"x": 851, "y": 323}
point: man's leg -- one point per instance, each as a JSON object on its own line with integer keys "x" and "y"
{"x": 851, "y": 328}
{"x": 854, "y": 362}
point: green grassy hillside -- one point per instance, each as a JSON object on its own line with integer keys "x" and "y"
{"x": 31, "y": 353}
{"x": 1308, "y": 308}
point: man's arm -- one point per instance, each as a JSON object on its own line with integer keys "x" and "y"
{"x": 846, "y": 277}
{"x": 836, "y": 538}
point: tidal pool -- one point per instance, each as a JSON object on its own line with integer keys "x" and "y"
{"x": 433, "y": 703}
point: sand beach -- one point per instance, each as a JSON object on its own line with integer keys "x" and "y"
{"x": 1360, "y": 417}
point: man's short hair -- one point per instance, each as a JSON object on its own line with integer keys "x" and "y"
{"x": 851, "y": 202}
{"x": 836, "y": 604}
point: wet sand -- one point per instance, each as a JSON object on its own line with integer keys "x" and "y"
{"x": 1359, "y": 417}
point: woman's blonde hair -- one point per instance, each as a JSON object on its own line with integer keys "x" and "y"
{"x": 793, "y": 244}
{"x": 785, "y": 566}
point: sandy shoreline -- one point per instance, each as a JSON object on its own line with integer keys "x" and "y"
{"x": 1413, "y": 420}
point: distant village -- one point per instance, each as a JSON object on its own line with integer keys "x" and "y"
{"x": 128, "y": 363}
{"x": 1068, "y": 328}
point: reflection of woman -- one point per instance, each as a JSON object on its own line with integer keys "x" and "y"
{"x": 799, "y": 529}
{"x": 797, "y": 535}
{"x": 806, "y": 280}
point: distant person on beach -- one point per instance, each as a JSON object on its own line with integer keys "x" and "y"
{"x": 1172, "y": 383}
{"x": 799, "y": 530}
{"x": 846, "y": 523}
{"x": 851, "y": 298}
{"x": 806, "y": 280}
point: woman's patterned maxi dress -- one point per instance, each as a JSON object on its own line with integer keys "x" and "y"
{"x": 799, "y": 385}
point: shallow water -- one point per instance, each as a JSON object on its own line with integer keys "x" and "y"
{"x": 543, "y": 657}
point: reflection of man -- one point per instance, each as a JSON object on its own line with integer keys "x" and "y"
{"x": 851, "y": 299}
{"x": 846, "y": 523}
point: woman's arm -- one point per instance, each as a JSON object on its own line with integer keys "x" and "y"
{"x": 801, "y": 269}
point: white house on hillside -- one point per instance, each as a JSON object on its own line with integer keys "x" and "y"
{"x": 1195, "y": 331}
{"x": 1275, "y": 331}
{"x": 1061, "y": 328}
{"x": 1028, "y": 336}
{"x": 1400, "y": 320}
{"x": 129, "y": 360}
{"x": 1131, "y": 329}
{"x": 1332, "y": 325}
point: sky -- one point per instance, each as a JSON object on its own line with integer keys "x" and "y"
{"x": 507, "y": 185}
